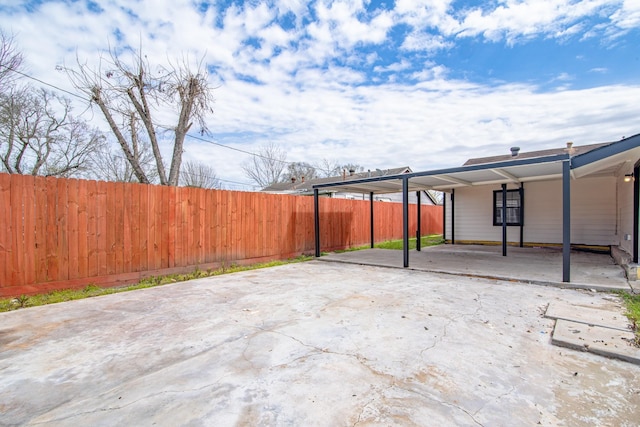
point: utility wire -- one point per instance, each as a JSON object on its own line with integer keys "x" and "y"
{"x": 160, "y": 126}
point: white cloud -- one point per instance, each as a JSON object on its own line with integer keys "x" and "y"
{"x": 627, "y": 17}
{"x": 314, "y": 98}
{"x": 398, "y": 66}
{"x": 425, "y": 42}
{"x": 515, "y": 20}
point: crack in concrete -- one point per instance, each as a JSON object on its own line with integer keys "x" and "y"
{"x": 364, "y": 408}
{"x": 445, "y": 403}
{"x": 495, "y": 399}
{"x": 390, "y": 378}
{"x": 452, "y": 320}
{"x": 133, "y": 402}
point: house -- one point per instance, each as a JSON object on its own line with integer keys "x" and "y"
{"x": 304, "y": 187}
{"x": 569, "y": 196}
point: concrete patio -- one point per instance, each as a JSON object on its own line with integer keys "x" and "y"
{"x": 314, "y": 344}
{"x": 541, "y": 266}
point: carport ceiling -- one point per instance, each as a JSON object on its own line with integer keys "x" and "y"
{"x": 513, "y": 171}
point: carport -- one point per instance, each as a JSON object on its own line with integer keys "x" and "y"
{"x": 608, "y": 159}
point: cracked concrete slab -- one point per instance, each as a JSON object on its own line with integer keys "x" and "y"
{"x": 595, "y": 339}
{"x": 317, "y": 344}
{"x": 611, "y": 318}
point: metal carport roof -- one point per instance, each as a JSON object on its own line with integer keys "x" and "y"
{"x": 604, "y": 160}
{"x": 521, "y": 170}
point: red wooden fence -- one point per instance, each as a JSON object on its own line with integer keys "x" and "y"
{"x": 67, "y": 233}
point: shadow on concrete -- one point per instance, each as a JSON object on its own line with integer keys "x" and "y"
{"x": 542, "y": 266}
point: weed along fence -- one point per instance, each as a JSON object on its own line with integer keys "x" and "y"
{"x": 67, "y": 233}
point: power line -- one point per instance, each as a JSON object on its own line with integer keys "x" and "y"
{"x": 44, "y": 83}
{"x": 158, "y": 125}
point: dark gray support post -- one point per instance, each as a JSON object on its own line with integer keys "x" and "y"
{"x": 419, "y": 223}
{"x": 444, "y": 216}
{"x": 636, "y": 210}
{"x": 371, "y": 218}
{"x": 566, "y": 221}
{"x": 522, "y": 214}
{"x": 453, "y": 216}
{"x": 504, "y": 219}
{"x": 316, "y": 220}
{"x": 405, "y": 220}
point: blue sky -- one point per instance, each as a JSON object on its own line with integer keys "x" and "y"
{"x": 425, "y": 84}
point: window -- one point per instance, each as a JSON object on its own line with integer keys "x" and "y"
{"x": 513, "y": 207}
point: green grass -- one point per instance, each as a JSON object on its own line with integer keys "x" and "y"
{"x": 632, "y": 302}
{"x": 23, "y": 301}
{"x": 432, "y": 240}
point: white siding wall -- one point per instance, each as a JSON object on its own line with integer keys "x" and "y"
{"x": 625, "y": 209}
{"x": 593, "y": 213}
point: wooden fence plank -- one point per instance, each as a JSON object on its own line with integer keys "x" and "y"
{"x": 83, "y": 230}
{"x": 194, "y": 226}
{"x": 17, "y": 229}
{"x": 29, "y": 212}
{"x": 128, "y": 224}
{"x": 201, "y": 206}
{"x": 156, "y": 194}
{"x": 52, "y": 230}
{"x": 145, "y": 238}
{"x": 111, "y": 228}
{"x": 92, "y": 229}
{"x": 62, "y": 226}
{"x": 178, "y": 234}
{"x": 208, "y": 226}
{"x": 118, "y": 211}
{"x": 185, "y": 211}
{"x": 72, "y": 227}
{"x": 103, "y": 245}
{"x": 134, "y": 226}
{"x": 40, "y": 229}
{"x": 172, "y": 225}
{"x": 164, "y": 230}
{"x": 6, "y": 233}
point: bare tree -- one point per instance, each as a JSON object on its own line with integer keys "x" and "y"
{"x": 130, "y": 96}
{"x": 266, "y": 167}
{"x": 39, "y": 136}
{"x": 299, "y": 170}
{"x": 10, "y": 61}
{"x": 198, "y": 174}
{"x": 330, "y": 168}
{"x": 327, "y": 168}
{"x": 111, "y": 165}
{"x": 349, "y": 167}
